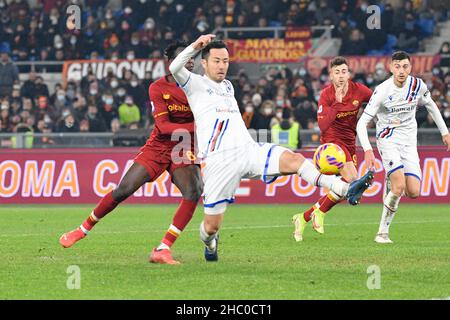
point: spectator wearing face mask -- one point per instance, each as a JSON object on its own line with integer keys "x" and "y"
{"x": 61, "y": 100}
{"x": 93, "y": 95}
{"x": 4, "y": 116}
{"x": 247, "y": 116}
{"x": 113, "y": 83}
{"x": 108, "y": 109}
{"x": 263, "y": 118}
{"x": 119, "y": 95}
{"x": 129, "y": 112}
{"x": 45, "y": 109}
{"x": 68, "y": 123}
{"x": 96, "y": 124}
{"x": 135, "y": 89}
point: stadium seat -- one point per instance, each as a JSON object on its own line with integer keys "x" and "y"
{"x": 426, "y": 26}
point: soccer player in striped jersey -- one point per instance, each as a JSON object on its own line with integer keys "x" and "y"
{"x": 226, "y": 147}
{"x": 394, "y": 103}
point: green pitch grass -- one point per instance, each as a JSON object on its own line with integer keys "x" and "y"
{"x": 259, "y": 258}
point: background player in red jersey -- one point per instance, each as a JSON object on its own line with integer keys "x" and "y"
{"x": 339, "y": 106}
{"x": 172, "y": 113}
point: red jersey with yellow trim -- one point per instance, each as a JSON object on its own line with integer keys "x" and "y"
{"x": 170, "y": 110}
{"x": 337, "y": 121}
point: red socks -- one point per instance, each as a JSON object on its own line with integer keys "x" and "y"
{"x": 325, "y": 204}
{"x": 182, "y": 217}
{"x": 105, "y": 206}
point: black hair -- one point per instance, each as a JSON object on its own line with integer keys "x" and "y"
{"x": 169, "y": 52}
{"x": 400, "y": 55}
{"x": 216, "y": 44}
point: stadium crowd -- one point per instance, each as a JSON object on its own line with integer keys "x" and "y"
{"x": 114, "y": 29}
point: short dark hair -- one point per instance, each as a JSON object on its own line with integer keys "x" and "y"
{"x": 216, "y": 44}
{"x": 337, "y": 61}
{"x": 169, "y": 52}
{"x": 400, "y": 55}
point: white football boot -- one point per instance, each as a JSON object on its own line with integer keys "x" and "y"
{"x": 383, "y": 238}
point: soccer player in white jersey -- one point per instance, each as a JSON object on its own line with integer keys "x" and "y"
{"x": 227, "y": 149}
{"x": 394, "y": 103}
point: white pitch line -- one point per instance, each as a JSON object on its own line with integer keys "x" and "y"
{"x": 229, "y": 228}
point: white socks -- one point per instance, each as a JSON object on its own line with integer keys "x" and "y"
{"x": 309, "y": 173}
{"x": 208, "y": 240}
{"x": 391, "y": 202}
{"x": 163, "y": 246}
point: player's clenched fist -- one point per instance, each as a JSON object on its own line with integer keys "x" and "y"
{"x": 202, "y": 41}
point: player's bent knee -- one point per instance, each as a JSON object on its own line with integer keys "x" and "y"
{"x": 193, "y": 194}
{"x": 212, "y": 225}
{"x": 413, "y": 194}
{"x": 398, "y": 190}
{"x": 290, "y": 162}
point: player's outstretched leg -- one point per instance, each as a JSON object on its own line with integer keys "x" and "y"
{"x": 319, "y": 210}
{"x": 135, "y": 177}
{"x": 188, "y": 180}
{"x": 316, "y": 213}
{"x": 357, "y": 188}
{"x": 291, "y": 163}
{"x": 299, "y": 226}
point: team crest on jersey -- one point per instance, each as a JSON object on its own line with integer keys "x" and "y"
{"x": 166, "y": 96}
{"x": 355, "y": 103}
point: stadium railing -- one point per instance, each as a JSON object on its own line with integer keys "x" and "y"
{"x": 270, "y": 32}
{"x": 136, "y": 138}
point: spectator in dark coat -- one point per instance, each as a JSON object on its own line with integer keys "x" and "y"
{"x": 9, "y": 73}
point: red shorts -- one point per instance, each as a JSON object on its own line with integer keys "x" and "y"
{"x": 350, "y": 151}
{"x": 157, "y": 159}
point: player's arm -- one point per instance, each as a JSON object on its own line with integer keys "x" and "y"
{"x": 366, "y": 93}
{"x": 177, "y": 69}
{"x": 426, "y": 100}
{"x": 361, "y": 128}
{"x": 161, "y": 114}
{"x": 326, "y": 113}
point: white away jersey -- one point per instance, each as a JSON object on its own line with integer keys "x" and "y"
{"x": 395, "y": 109}
{"x": 219, "y": 124}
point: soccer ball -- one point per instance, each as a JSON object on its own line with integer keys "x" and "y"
{"x": 329, "y": 158}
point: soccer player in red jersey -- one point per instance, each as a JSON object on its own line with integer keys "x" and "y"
{"x": 339, "y": 106}
{"x": 173, "y": 117}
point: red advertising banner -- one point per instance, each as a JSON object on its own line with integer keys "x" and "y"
{"x": 421, "y": 63}
{"x": 267, "y": 50}
{"x": 63, "y": 176}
